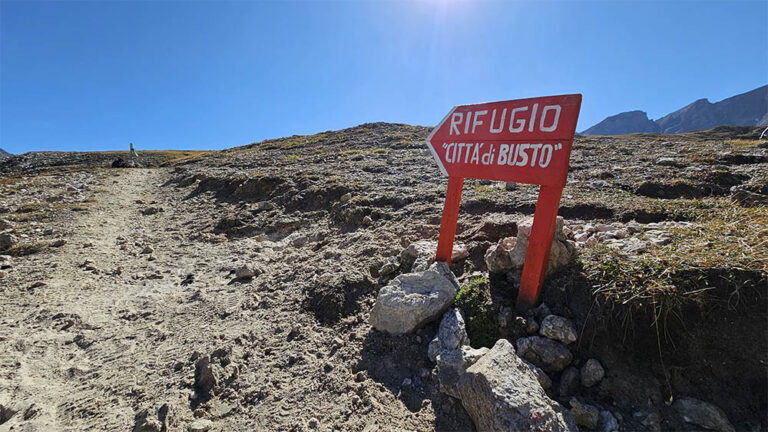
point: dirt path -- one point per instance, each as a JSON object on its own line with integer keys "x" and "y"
{"x": 116, "y": 330}
{"x": 85, "y": 340}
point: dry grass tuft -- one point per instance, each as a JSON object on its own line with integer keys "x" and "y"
{"x": 707, "y": 264}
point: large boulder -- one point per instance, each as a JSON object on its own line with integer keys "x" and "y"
{"x": 501, "y": 393}
{"x": 419, "y": 256}
{"x": 413, "y": 299}
{"x": 509, "y": 253}
{"x": 452, "y": 364}
{"x": 545, "y": 353}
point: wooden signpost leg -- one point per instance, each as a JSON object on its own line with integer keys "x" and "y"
{"x": 450, "y": 217}
{"x": 539, "y": 245}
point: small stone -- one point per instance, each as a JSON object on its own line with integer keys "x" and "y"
{"x": 541, "y": 311}
{"x": 346, "y": 197}
{"x": 558, "y": 328}
{"x": 245, "y": 272}
{"x": 581, "y": 237}
{"x": 545, "y": 353}
{"x": 205, "y": 376}
{"x": 607, "y": 422}
{"x": 367, "y": 220}
{"x": 59, "y": 243}
{"x": 151, "y": 210}
{"x": 145, "y": 422}
{"x": 389, "y": 267}
{"x": 584, "y": 414}
{"x": 703, "y": 414}
{"x": 531, "y": 327}
{"x": 313, "y": 423}
{"x": 569, "y": 382}
{"x": 451, "y": 334}
{"x": 360, "y": 376}
{"x": 505, "y": 316}
{"x": 406, "y": 382}
{"x": 652, "y": 421}
{"x": 592, "y": 373}
{"x": 201, "y": 425}
{"x": 8, "y": 241}
{"x": 667, "y": 161}
{"x": 147, "y": 250}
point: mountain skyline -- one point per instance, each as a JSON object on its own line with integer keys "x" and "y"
{"x": 744, "y": 109}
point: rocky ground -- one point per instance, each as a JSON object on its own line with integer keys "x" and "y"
{"x": 233, "y": 290}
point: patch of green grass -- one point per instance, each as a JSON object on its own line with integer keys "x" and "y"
{"x": 474, "y": 299}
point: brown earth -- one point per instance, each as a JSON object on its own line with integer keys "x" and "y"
{"x": 95, "y": 331}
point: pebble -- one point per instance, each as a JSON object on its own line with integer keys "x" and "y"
{"x": 703, "y": 414}
{"x": 201, "y": 425}
{"x": 592, "y": 373}
{"x": 558, "y": 328}
{"x": 313, "y": 423}
{"x": 607, "y": 422}
{"x": 569, "y": 382}
{"x": 245, "y": 272}
{"x": 147, "y": 250}
{"x": 584, "y": 414}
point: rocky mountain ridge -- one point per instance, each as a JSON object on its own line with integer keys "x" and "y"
{"x": 746, "y": 109}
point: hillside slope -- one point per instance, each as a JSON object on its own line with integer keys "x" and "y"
{"x": 122, "y": 306}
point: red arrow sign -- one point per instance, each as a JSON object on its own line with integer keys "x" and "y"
{"x": 524, "y": 141}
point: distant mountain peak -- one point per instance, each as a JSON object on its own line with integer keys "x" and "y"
{"x": 746, "y": 109}
{"x": 636, "y": 121}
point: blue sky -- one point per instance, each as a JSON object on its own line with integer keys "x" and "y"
{"x": 204, "y": 75}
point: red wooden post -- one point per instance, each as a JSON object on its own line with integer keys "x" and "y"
{"x": 539, "y": 245}
{"x": 450, "y": 217}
